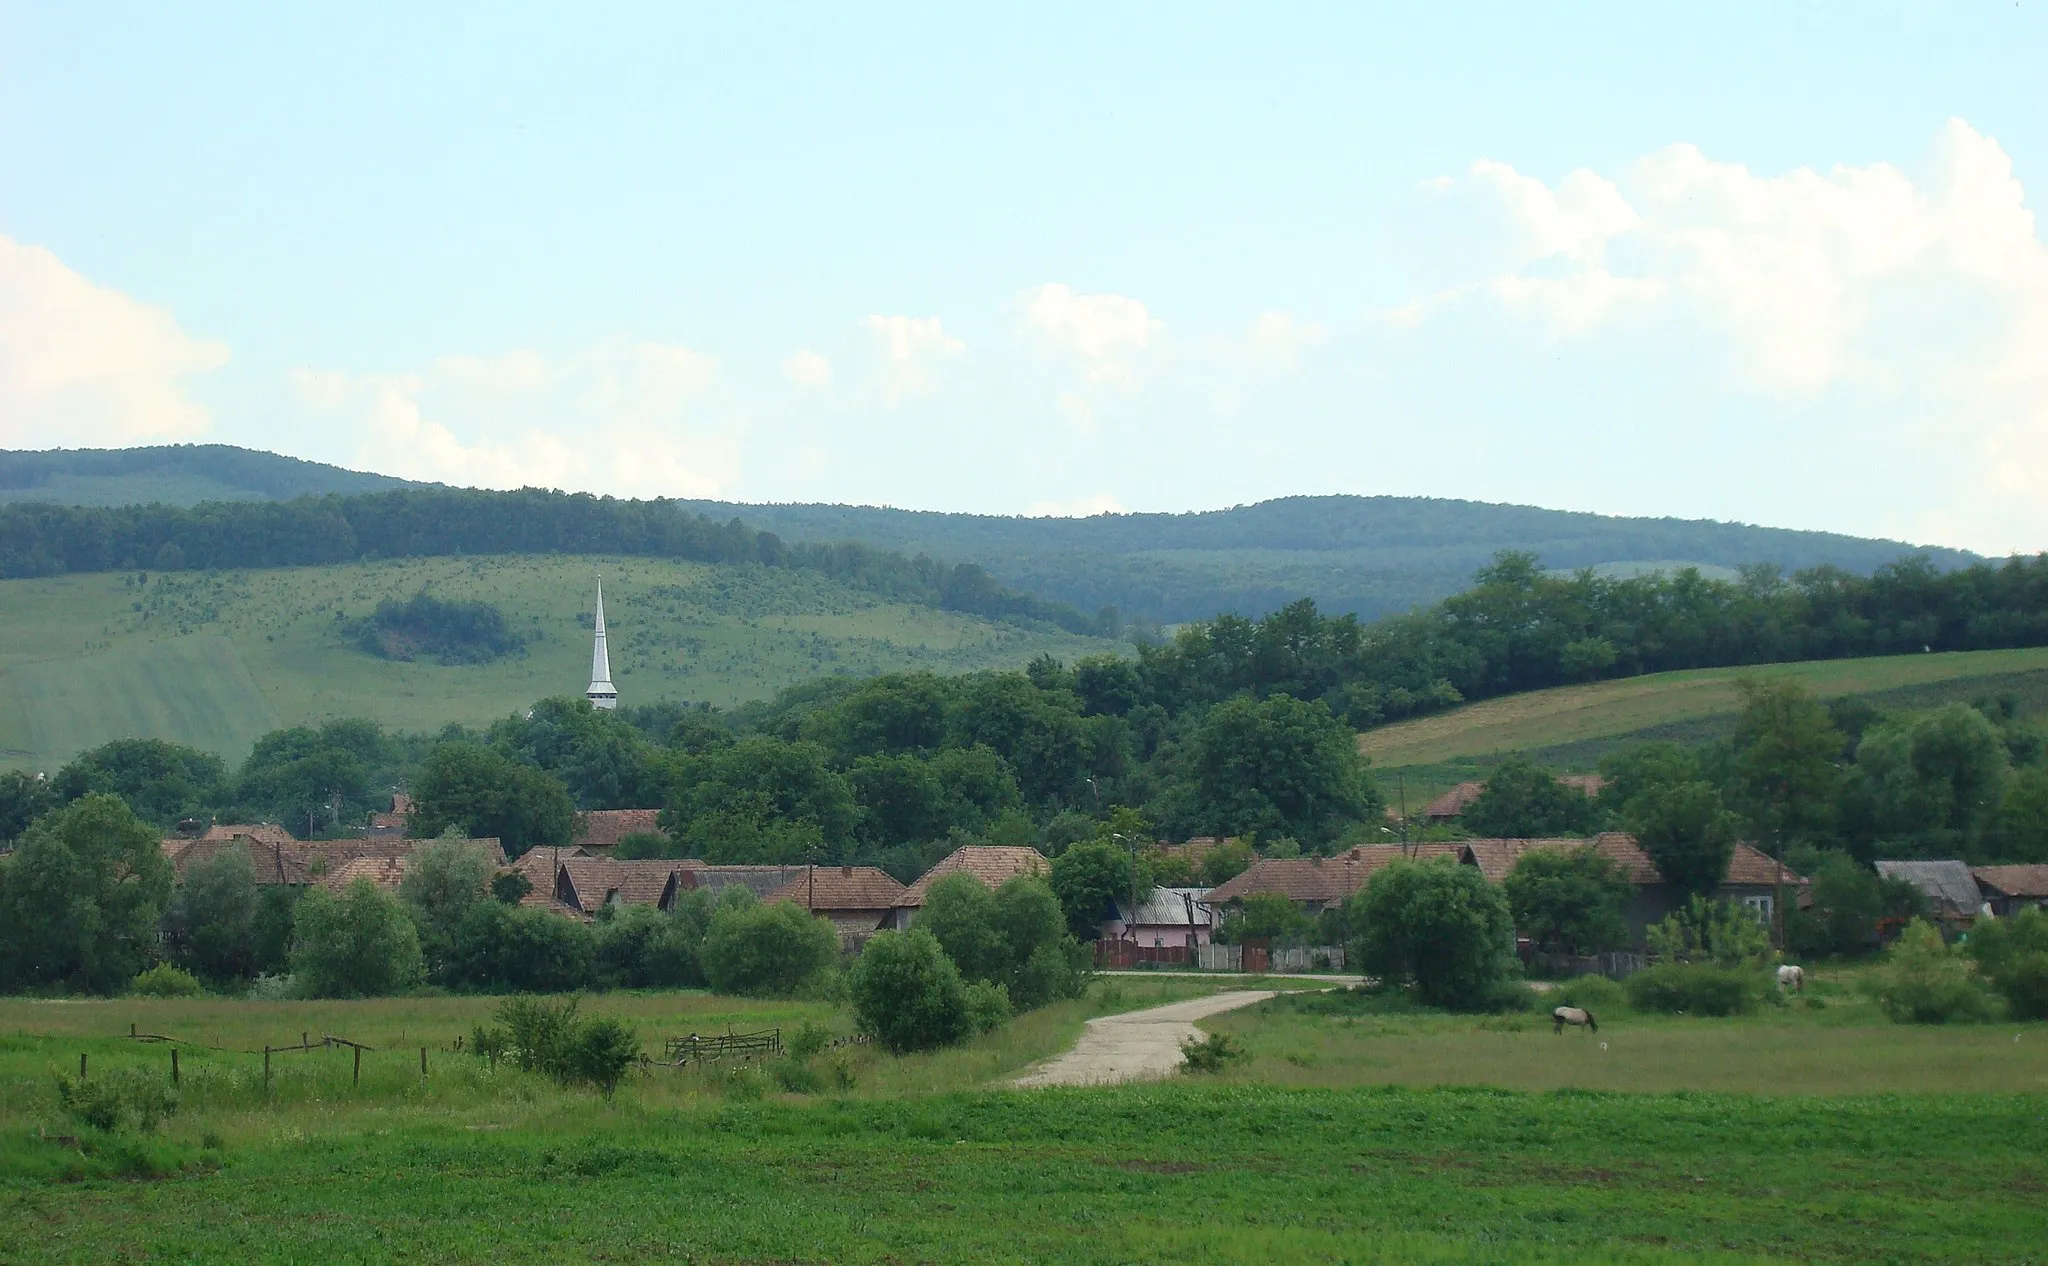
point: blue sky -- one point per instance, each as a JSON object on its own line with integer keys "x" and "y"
{"x": 1770, "y": 263}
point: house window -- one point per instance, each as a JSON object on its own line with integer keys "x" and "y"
{"x": 1759, "y": 907}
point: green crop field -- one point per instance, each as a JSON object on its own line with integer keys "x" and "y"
{"x": 215, "y": 659}
{"x": 1578, "y": 721}
{"x": 1805, "y": 1133}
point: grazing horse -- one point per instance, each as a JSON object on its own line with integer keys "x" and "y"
{"x": 1577, "y": 1017}
{"x": 1793, "y": 978}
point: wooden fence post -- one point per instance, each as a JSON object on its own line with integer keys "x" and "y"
{"x": 266, "y": 1068}
{"x": 81, "y": 1065}
{"x": 174, "y": 1065}
{"x": 423, "y": 1063}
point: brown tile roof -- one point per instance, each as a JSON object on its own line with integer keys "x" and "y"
{"x": 1747, "y": 867}
{"x": 604, "y": 828}
{"x": 2013, "y": 881}
{"x": 280, "y": 859}
{"x": 993, "y": 864}
{"x": 829, "y": 889}
{"x": 759, "y": 880}
{"x": 261, "y": 832}
{"x": 590, "y": 882}
{"x": 383, "y": 872}
{"x": 1324, "y": 879}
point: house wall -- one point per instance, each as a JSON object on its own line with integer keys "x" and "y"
{"x": 1160, "y": 934}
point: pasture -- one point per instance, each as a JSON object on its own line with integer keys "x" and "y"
{"x": 216, "y": 658}
{"x": 1348, "y": 1134}
{"x": 1581, "y": 720}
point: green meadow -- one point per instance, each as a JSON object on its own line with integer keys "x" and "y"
{"x": 1349, "y": 1133}
{"x": 217, "y": 658}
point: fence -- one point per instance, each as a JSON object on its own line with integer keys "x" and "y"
{"x": 699, "y": 1049}
{"x": 1261, "y": 958}
{"x": 1615, "y": 965}
{"x": 327, "y": 1042}
{"x": 1124, "y": 954}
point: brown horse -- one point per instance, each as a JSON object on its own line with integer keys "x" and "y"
{"x": 1577, "y": 1017}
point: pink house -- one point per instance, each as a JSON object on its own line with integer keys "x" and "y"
{"x": 1167, "y": 918}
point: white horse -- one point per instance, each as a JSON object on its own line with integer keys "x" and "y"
{"x": 1577, "y": 1017}
{"x": 1792, "y": 978}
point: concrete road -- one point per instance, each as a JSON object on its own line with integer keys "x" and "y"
{"x": 1136, "y": 1045}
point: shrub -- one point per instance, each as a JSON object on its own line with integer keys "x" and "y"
{"x": 1692, "y": 989}
{"x": 960, "y": 913}
{"x": 504, "y": 949}
{"x": 1703, "y": 931}
{"x": 1211, "y": 1053}
{"x": 1929, "y": 983}
{"x": 166, "y": 981}
{"x": 988, "y": 1006}
{"x": 796, "y": 1077}
{"x": 1442, "y": 927}
{"x": 2014, "y": 954}
{"x": 810, "y": 1039}
{"x": 272, "y": 988}
{"x": 1595, "y": 993}
{"x": 907, "y": 993}
{"x": 766, "y": 949}
{"x": 109, "y": 1102}
{"x": 550, "y": 1038}
{"x": 639, "y": 947}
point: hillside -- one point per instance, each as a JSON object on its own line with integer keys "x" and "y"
{"x": 1369, "y": 555}
{"x": 216, "y": 659}
{"x": 180, "y": 474}
{"x": 1571, "y": 726}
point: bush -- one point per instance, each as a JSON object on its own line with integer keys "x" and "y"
{"x": 361, "y": 944}
{"x": 109, "y": 1102}
{"x": 988, "y": 1006}
{"x": 639, "y": 947}
{"x": 907, "y": 993}
{"x": 1693, "y": 989}
{"x": 2014, "y": 954}
{"x": 1595, "y": 993}
{"x": 796, "y": 1077}
{"x": 766, "y": 949}
{"x": 272, "y": 988}
{"x": 1442, "y": 927}
{"x": 1569, "y": 900}
{"x": 1703, "y": 931}
{"x": 166, "y": 981}
{"x": 1211, "y": 1053}
{"x": 505, "y": 949}
{"x": 810, "y": 1039}
{"x": 552, "y": 1039}
{"x": 1929, "y": 983}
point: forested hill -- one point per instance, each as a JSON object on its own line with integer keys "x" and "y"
{"x": 1366, "y": 555}
{"x": 176, "y": 474}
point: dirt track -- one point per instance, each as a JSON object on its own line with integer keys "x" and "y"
{"x": 1137, "y": 1044}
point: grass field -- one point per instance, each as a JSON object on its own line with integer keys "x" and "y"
{"x": 215, "y": 659}
{"x": 1582, "y": 717}
{"x": 1873, "y": 1145}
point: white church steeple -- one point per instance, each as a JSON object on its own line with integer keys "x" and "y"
{"x": 601, "y": 693}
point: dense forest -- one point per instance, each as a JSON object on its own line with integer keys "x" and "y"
{"x": 235, "y": 473}
{"x": 44, "y": 539}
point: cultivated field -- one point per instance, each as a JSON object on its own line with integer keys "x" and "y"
{"x": 1584, "y": 716}
{"x": 215, "y": 659}
{"x": 1802, "y": 1133}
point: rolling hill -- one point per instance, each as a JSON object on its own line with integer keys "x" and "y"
{"x": 1571, "y": 727}
{"x": 1368, "y": 555}
{"x": 217, "y": 658}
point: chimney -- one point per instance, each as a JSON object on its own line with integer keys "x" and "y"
{"x": 846, "y": 871}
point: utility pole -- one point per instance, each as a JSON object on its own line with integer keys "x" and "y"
{"x": 1401, "y": 782}
{"x": 1131, "y": 915}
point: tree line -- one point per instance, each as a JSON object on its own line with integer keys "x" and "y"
{"x": 42, "y": 539}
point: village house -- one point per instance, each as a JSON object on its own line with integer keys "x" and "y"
{"x": 392, "y": 823}
{"x": 857, "y": 899}
{"x": 1166, "y": 918}
{"x": 1751, "y": 880}
{"x": 277, "y": 858}
{"x": 1954, "y": 898}
{"x": 600, "y": 830}
{"x": 992, "y": 864}
{"x": 1316, "y": 884}
{"x": 2007, "y": 890}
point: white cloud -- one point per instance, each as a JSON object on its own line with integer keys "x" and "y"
{"x": 910, "y": 347}
{"x": 806, "y": 368}
{"x": 1107, "y": 332}
{"x": 81, "y": 364}
{"x": 621, "y": 418}
{"x": 1277, "y": 340}
{"x": 1926, "y": 297}
{"x": 1078, "y": 508}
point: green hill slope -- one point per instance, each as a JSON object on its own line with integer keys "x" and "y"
{"x": 215, "y": 659}
{"x": 1573, "y": 724}
{"x": 180, "y": 474}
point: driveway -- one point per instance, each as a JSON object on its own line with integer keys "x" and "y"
{"x": 1136, "y": 1045}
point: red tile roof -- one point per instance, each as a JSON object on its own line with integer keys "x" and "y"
{"x": 1459, "y": 798}
{"x": 1321, "y": 879}
{"x": 829, "y": 889}
{"x": 993, "y": 864}
{"x": 593, "y": 881}
{"x": 1746, "y": 868}
{"x": 604, "y": 828}
{"x": 383, "y": 872}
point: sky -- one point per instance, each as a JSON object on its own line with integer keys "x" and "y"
{"x": 1770, "y": 263}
